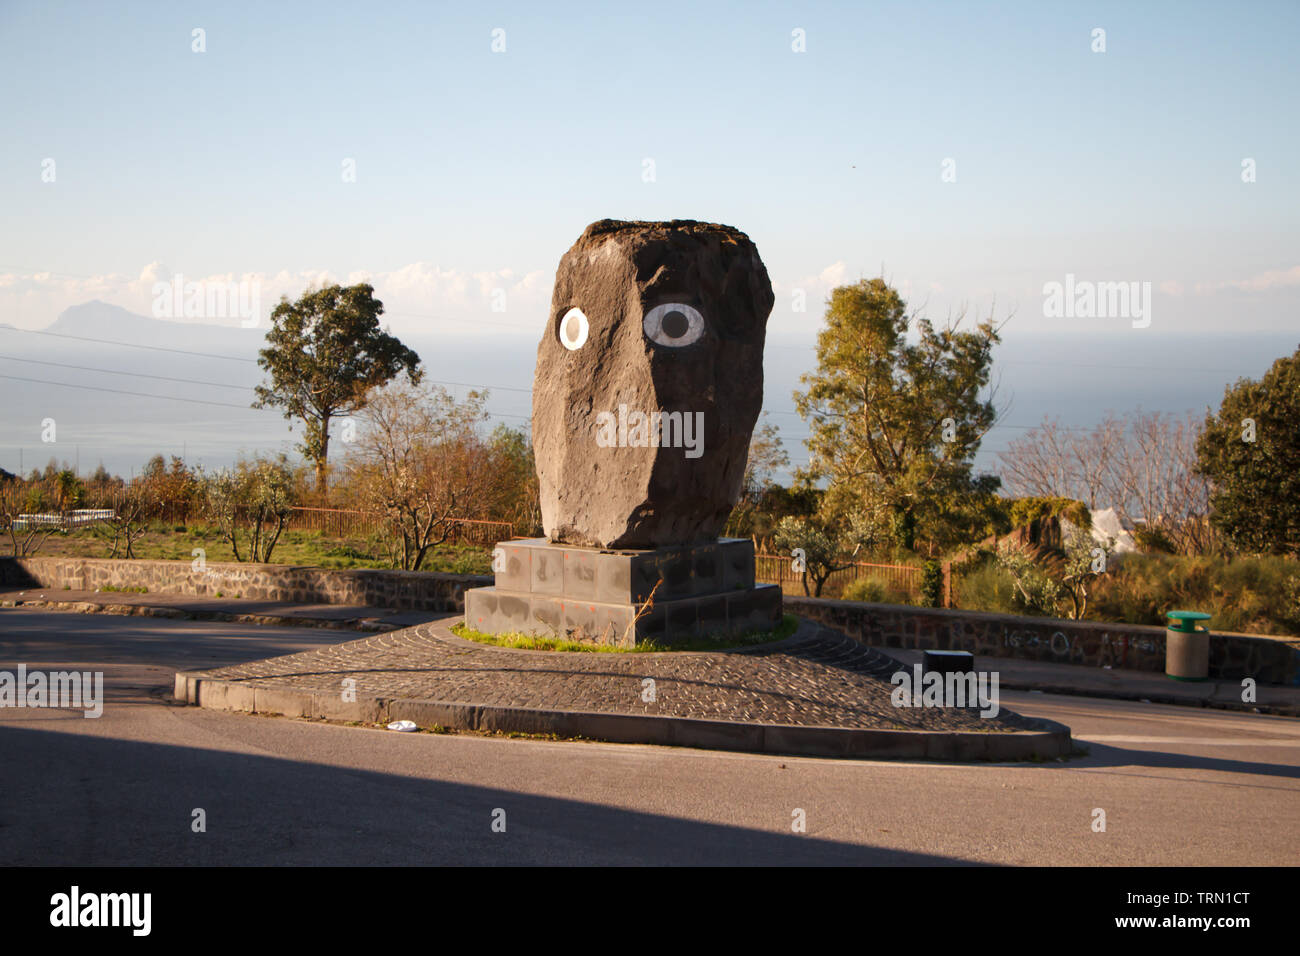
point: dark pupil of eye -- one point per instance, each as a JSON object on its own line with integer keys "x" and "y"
{"x": 675, "y": 325}
{"x": 571, "y": 328}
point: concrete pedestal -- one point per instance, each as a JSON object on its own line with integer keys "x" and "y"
{"x": 595, "y": 595}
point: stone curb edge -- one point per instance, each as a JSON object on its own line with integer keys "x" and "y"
{"x": 154, "y": 610}
{"x": 1067, "y": 690}
{"x": 1053, "y": 740}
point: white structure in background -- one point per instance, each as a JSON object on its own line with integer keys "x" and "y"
{"x": 72, "y": 519}
{"x": 1107, "y": 524}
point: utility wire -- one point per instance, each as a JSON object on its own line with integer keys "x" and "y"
{"x": 231, "y": 358}
{"x": 133, "y": 345}
{"x": 118, "y": 391}
{"x": 110, "y": 371}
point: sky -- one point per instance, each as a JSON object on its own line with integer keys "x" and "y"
{"x": 449, "y": 153}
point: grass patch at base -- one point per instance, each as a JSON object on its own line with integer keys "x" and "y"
{"x": 719, "y": 642}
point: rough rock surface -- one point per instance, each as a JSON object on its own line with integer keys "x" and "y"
{"x": 673, "y": 319}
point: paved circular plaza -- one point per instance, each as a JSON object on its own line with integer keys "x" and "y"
{"x": 818, "y": 677}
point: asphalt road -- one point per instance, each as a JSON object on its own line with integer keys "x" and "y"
{"x": 1178, "y": 785}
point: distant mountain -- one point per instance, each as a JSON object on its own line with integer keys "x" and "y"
{"x": 100, "y": 320}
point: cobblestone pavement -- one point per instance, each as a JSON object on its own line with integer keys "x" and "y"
{"x": 818, "y": 677}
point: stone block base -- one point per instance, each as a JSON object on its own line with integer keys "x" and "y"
{"x": 601, "y": 596}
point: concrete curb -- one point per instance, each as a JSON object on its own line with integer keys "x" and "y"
{"x": 1069, "y": 690}
{"x": 1049, "y": 741}
{"x": 154, "y": 610}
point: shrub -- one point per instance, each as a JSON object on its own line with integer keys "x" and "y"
{"x": 1025, "y": 510}
{"x": 932, "y": 584}
{"x": 1154, "y": 540}
{"x": 983, "y": 586}
{"x": 874, "y": 591}
{"x": 864, "y": 589}
{"x": 1259, "y": 595}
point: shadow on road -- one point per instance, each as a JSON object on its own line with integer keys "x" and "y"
{"x": 84, "y": 639}
{"x": 73, "y": 799}
{"x": 1105, "y": 755}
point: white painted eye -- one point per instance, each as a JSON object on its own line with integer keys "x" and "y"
{"x": 573, "y": 330}
{"x": 673, "y": 324}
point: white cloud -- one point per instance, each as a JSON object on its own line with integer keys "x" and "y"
{"x": 833, "y": 274}
{"x": 419, "y": 296}
{"x": 1262, "y": 282}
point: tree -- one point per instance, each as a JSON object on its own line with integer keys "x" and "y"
{"x": 420, "y": 461}
{"x": 1143, "y": 465}
{"x": 895, "y": 424}
{"x": 1153, "y": 480}
{"x": 1250, "y": 451}
{"x": 513, "y": 494}
{"x": 325, "y": 353}
{"x": 71, "y": 492}
{"x": 821, "y": 548}
{"x": 1045, "y": 581}
{"x": 253, "y": 501}
{"x": 168, "y": 492}
{"x": 25, "y": 534}
{"x": 766, "y": 457}
{"x": 1056, "y": 461}
{"x": 130, "y": 508}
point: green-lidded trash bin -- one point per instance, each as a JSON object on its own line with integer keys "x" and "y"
{"x": 1187, "y": 646}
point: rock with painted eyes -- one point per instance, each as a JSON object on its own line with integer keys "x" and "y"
{"x": 649, "y": 381}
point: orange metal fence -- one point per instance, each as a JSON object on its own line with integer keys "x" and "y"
{"x": 345, "y": 523}
{"x": 779, "y": 569}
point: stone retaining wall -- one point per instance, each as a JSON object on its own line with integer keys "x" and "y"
{"x": 1272, "y": 660}
{"x": 401, "y": 590}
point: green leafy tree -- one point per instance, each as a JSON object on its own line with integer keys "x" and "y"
{"x": 896, "y": 411}
{"x": 71, "y": 492}
{"x": 513, "y": 495}
{"x": 821, "y": 548}
{"x": 1250, "y": 451}
{"x": 325, "y": 353}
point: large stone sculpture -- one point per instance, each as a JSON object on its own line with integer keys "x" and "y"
{"x": 649, "y": 381}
